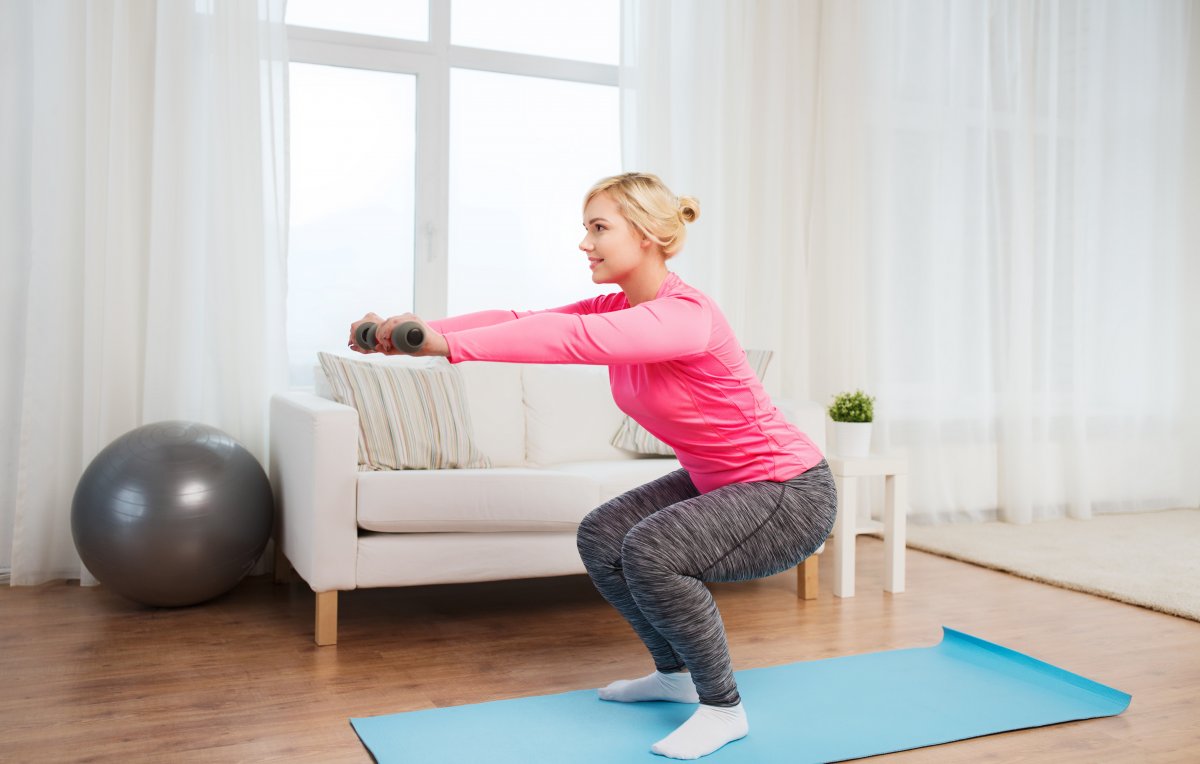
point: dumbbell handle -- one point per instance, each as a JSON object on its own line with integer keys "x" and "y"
{"x": 408, "y": 336}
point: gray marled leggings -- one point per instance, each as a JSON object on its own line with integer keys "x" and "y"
{"x": 649, "y": 551}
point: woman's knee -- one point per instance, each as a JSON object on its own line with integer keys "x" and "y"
{"x": 642, "y": 552}
{"x": 596, "y": 535}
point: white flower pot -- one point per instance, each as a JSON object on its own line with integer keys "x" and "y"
{"x": 852, "y": 438}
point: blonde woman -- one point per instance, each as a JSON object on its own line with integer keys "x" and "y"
{"x": 754, "y": 496}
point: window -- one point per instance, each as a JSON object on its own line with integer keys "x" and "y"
{"x": 581, "y": 30}
{"x": 517, "y": 179}
{"x": 353, "y": 143}
{"x": 406, "y": 19}
{"x": 439, "y": 156}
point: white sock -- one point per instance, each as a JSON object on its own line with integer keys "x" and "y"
{"x": 709, "y": 728}
{"x": 677, "y": 688}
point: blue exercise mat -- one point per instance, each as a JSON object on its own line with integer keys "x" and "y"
{"x": 815, "y": 711}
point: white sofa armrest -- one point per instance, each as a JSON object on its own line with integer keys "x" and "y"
{"x": 314, "y": 473}
{"x": 808, "y": 416}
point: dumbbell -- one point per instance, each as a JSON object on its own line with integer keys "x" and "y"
{"x": 408, "y": 336}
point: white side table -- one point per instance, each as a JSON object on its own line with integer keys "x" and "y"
{"x": 846, "y": 471}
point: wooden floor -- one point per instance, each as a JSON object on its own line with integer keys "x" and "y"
{"x": 87, "y": 676}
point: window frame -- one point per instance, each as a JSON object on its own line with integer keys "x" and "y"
{"x": 431, "y": 63}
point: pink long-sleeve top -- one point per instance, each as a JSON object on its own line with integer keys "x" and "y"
{"x": 675, "y": 367}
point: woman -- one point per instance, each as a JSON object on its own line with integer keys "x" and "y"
{"x": 754, "y": 496}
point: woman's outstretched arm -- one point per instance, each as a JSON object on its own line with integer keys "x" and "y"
{"x": 658, "y": 330}
{"x": 484, "y": 318}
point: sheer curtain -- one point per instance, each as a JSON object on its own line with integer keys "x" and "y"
{"x": 143, "y": 216}
{"x": 982, "y": 213}
{"x": 717, "y": 99}
{"x": 1033, "y": 263}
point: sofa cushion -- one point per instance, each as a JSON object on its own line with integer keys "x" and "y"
{"x": 411, "y": 415}
{"x": 615, "y": 477}
{"x": 570, "y": 415}
{"x": 494, "y": 397}
{"x": 414, "y": 559}
{"x": 495, "y": 500}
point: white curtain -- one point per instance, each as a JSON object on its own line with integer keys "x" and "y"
{"x": 1035, "y": 263}
{"x": 717, "y": 99}
{"x": 981, "y": 213}
{"x": 143, "y": 216}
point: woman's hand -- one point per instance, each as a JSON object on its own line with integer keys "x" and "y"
{"x": 370, "y": 318}
{"x": 434, "y": 345}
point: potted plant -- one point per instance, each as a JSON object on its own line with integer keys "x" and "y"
{"x": 852, "y": 414}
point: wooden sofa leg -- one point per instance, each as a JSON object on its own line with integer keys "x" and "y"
{"x": 806, "y": 578}
{"x": 326, "y": 633}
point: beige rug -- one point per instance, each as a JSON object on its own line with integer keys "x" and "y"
{"x": 1150, "y": 559}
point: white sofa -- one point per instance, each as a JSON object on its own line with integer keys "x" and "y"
{"x": 546, "y": 430}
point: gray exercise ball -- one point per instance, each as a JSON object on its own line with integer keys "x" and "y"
{"x": 172, "y": 514}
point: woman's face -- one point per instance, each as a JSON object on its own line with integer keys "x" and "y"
{"x": 613, "y": 246}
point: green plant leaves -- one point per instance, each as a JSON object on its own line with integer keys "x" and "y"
{"x": 852, "y": 407}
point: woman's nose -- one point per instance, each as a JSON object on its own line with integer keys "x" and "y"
{"x": 585, "y": 245}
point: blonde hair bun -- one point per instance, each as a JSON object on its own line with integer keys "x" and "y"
{"x": 650, "y": 207}
{"x": 689, "y": 208}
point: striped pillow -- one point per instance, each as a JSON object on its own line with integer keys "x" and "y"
{"x": 631, "y": 436}
{"x": 409, "y": 416}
